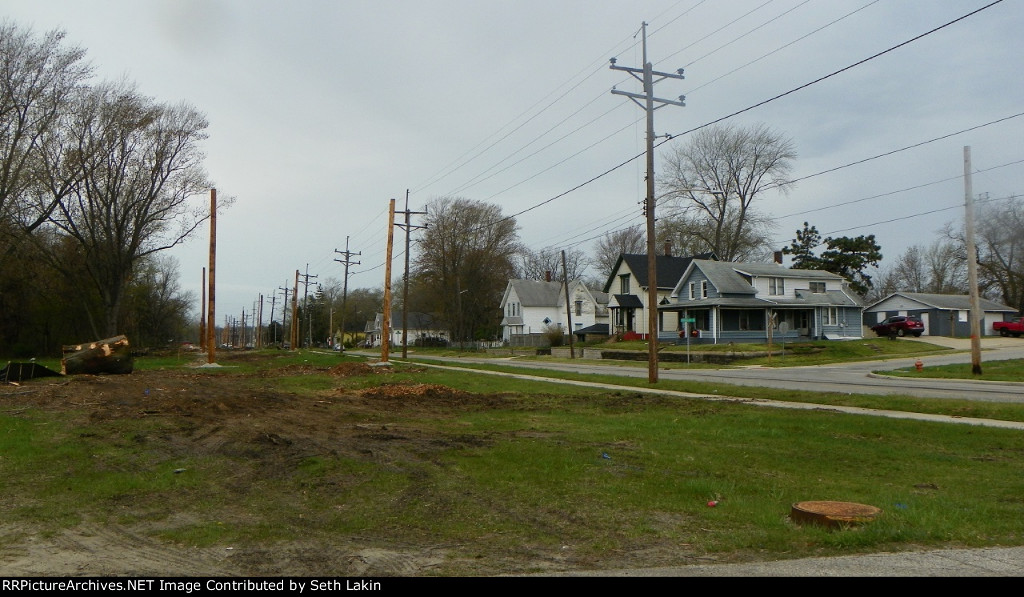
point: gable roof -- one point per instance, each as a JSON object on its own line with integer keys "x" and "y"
{"x": 534, "y": 293}
{"x": 669, "y": 269}
{"x": 600, "y": 299}
{"x": 951, "y": 302}
{"x": 728, "y": 277}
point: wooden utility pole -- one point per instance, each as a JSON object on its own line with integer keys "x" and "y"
{"x": 407, "y": 226}
{"x": 202, "y": 314}
{"x": 646, "y": 76}
{"x": 295, "y": 313}
{"x": 347, "y": 261}
{"x": 972, "y": 266}
{"x": 305, "y": 305}
{"x": 284, "y": 313}
{"x": 273, "y": 304}
{"x": 385, "y": 326}
{"x": 211, "y": 333}
{"x": 259, "y": 324}
{"x": 568, "y": 309}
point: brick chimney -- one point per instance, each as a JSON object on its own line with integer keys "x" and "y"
{"x": 668, "y": 247}
{"x": 547, "y": 276}
{"x": 778, "y": 257}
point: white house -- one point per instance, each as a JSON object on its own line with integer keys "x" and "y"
{"x": 720, "y": 301}
{"x": 420, "y": 328}
{"x": 627, "y": 289}
{"x": 529, "y": 307}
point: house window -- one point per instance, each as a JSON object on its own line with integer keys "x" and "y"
{"x": 579, "y": 308}
{"x": 776, "y": 286}
{"x": 692, "y": 291}
{"x": 703, "y": 289}
{"x": 624, "y": 284}
{"x": 832, "y": 316}
{"x": 818, "y": 287}
{"x": 743, "y": 319}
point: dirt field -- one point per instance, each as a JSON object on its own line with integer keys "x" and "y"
{"x": 215, "y": 414}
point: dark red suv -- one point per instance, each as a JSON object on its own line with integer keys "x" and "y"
{"x": 900, "y": 325}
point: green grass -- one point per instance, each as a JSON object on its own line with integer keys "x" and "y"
{"x": 1006, "y": 370}
{"x": 585, "y": 476}
{"x": 959, "y": 408}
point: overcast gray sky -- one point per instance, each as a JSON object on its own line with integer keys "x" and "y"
{"x": 321, "y": 111}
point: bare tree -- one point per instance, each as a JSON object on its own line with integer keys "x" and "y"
{"x": 537, "y": 266}
{"x": 1000, "y": 244}
{"x": 947, "y": 268}
{"x": 466, "y": 257}
{"x": 159, "y": 309}
{"x": 138, "y": 166}
{"x": 910, "y": 270}
{"x": 631, "y": 240}
{"x": 938, "y": 268}
{"x": 886, "y": 282}
{"x": 38, "y": 75}
{"x": 714, "y": 180}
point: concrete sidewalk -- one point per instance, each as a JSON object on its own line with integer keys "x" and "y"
{"x": 995, "y": 561}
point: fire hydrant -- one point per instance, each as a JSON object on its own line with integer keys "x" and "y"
{"x": 918, "y": 365}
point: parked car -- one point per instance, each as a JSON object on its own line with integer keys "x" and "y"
{"x": 1014, "y": 328}
{"x": 900, "y": 325}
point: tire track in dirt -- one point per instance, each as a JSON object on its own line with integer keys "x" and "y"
{"x": 96, "y": 550}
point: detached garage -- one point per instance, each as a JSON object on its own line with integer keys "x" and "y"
{"x": 943, "y": 314}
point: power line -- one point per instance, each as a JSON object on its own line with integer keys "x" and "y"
{"x": 769, "y": 100}
{"x": 918, "y": 214}
{"x": 618, "y": 166}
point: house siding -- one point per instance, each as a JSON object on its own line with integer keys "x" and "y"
{"x": 740, "y": 313}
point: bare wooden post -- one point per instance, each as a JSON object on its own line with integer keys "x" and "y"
{"x": 295, "y": 313}
{"x": 972, "y": 266}
{"x": 202, "y": 315}
{"x": 385, "y": 330}
{"x": 211, "y": 334}
{"x": 568, "y": 310}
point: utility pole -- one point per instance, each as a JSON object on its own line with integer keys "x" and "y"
{"x": 305, "y": 305}
{"x": 202, "y": 315}
{"x": 568, "y": 310}
{"x": 646, "y": 76}
{"x": 407, "y": 226}
{"x": 284, "y": 311}
{"x": 273, "y": 303}
{"x": 211, "y": 332}
{"x": 259, "y": 324}
{"x": 385, "y": 329}
{"x": 295, "y": 313}
{"x": 972, "y": 265}
{"x": 346, "y": 261}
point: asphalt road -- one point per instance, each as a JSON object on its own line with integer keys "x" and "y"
{"x": 851, "y": 378}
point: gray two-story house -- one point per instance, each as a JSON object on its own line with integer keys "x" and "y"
{"x": 719, "y": 301}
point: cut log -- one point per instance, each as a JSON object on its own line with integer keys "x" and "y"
{"x": 111, "y": 355}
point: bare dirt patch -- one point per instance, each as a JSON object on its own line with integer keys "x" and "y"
{"x": 216, "y": 414}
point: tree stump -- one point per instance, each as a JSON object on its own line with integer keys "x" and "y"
{"x": 833, "y": 514}
{"x": 111, "y": 355}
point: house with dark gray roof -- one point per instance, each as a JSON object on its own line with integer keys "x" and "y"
{"x": 530, "y": 307}
{"x": 942, "y": 314}
{"x": 627, "y": 289}
{"x": 720, "y": 301}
